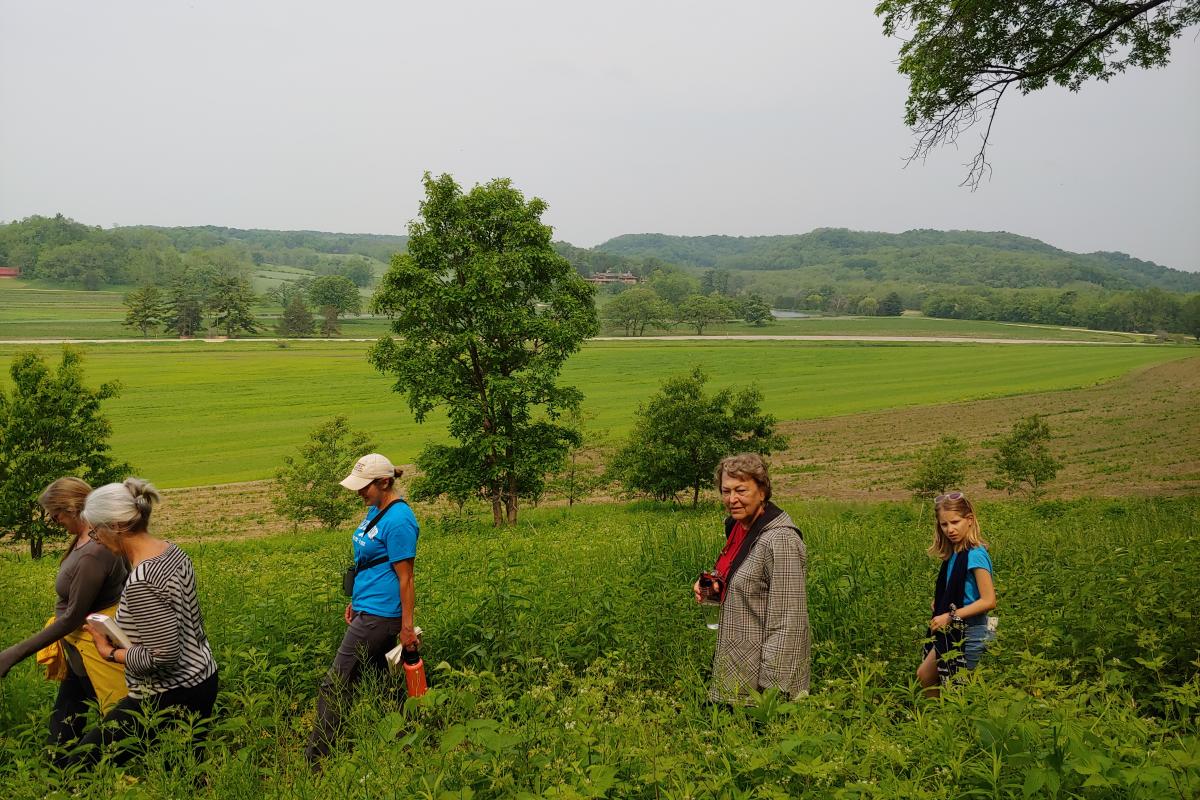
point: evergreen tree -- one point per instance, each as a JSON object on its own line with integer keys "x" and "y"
{"x": 231, "y": 302}
{"x": 297, "y": 319}
{"x": 146, "y": 309}
{"x": 185, "y": 305}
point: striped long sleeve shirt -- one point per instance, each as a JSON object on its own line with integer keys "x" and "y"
{"x": 160, "y": 614}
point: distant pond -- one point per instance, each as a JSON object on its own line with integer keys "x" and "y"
{"x": 777, "y": 314}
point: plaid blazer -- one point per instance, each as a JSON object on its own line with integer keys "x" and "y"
{"x": 763, "y": 639}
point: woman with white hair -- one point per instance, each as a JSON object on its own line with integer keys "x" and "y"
{"x": 169, "y": 664}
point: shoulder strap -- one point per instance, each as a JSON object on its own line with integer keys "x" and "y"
{"x": 375, "y": 562}
{"x": 374, "y": 521}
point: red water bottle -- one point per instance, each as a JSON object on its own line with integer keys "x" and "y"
{"x": 414, "y": 673}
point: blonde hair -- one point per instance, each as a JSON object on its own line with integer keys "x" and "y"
{"x": 942, "y": 548}
{"x": 65, "y": 495}
{"x": 122, "y": 507}
{"x": 745, "y": 465}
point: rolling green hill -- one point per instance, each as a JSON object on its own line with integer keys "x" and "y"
{"x": 963, "y": 258}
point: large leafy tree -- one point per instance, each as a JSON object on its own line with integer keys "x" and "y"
{"x": 699, "y": 311}
{"x": 757, "y": 311}
{"x": 962, "y": 57}
{"x": 486, "y": 313}
{"x": 636, "y": 308}
{"x": 334, "y": 295}
{"x": 50, "y": 426}
{"x": 681, "y": 433}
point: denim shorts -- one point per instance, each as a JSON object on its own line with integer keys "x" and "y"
{"x": 975, "y": 641}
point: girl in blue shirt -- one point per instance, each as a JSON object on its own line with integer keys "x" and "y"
{"x": 963, "y": 594}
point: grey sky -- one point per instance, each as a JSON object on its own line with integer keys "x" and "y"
{"x": 673, "y": 117}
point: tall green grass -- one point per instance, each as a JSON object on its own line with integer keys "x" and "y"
{"x": 568, "y": 660}
{"x": 193, "y": 413}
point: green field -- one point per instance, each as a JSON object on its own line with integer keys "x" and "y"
{"x": 30, "y": 312}
{"x": 567, "y": 660}
{"x": 194, "y": 413}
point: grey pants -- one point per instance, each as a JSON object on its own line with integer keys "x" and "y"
{"x": 367, "y": 640}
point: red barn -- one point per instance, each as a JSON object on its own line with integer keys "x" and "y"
{"x": 10, "y": 272}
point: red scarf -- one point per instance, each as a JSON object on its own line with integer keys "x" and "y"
{"x": 728, "y": 552}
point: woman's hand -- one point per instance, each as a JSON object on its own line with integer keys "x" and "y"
{"x": 940, "y": 621}
{"x": 349, "y": 615}
{"x": 696, "y": 591}
{"x": 408, "y": 637}
{"x": 103, "y": 645}
{"x": 8, "y": 659}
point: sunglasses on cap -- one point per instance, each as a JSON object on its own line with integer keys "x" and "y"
{"x": 941, "y": 498}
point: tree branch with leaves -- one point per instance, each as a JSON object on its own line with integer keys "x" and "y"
{"x": 961, "y": 58}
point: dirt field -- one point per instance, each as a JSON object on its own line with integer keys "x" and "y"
{"x": 1138, "y": 435}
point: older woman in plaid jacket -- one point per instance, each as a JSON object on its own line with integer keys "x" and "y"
{"x": 763, "y": 640}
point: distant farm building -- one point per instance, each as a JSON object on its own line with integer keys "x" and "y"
{"x": 607, "y": 278}
{"x": 10, "y": 272}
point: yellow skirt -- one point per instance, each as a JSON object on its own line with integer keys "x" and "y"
{"x": 107, "y": 677}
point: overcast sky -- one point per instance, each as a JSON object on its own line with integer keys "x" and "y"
{"x": 626, "y": 117}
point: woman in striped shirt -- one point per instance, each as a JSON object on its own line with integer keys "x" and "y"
{"x": 170, "y": 664}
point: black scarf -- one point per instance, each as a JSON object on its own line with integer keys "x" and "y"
{"x": 950, "y": 592}
{"x": 948, "y": 641}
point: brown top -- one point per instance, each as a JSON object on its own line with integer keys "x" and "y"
{"x": 89, "y": 579}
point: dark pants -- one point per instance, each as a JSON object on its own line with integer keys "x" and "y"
{"x": 69, "y": 716}
{"x": 366, "y": 641}
{"x": 122, "y": 721}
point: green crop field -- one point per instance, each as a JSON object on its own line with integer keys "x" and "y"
{"x": 567, "y": 660}
{"x": 195, "y": 413}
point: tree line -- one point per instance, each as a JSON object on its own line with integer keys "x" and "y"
{"x": 228, "y": 300}
{"x": 61, "y": 250}
{"x": 1139, "y": 311}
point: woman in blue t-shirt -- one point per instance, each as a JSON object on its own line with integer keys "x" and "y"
{"x": 963, "y": 594}
{"x": 381, "y": 605}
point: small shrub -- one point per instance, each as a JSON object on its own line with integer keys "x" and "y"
{"x": 1022, "y": 460}
{"x": 309, "y": 482}
{"x": 943, "y": 467}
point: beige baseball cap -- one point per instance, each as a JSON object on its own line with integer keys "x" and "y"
{"x": 368, "y": 468}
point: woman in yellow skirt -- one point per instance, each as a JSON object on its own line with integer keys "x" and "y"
{"x": 90, "y": 579}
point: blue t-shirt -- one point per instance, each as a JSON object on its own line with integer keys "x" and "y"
{"x": 377, "y": 590}
{"x": 977, "y": 558}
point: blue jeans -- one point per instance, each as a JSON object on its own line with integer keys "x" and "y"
{"x": 975, "y": 640}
